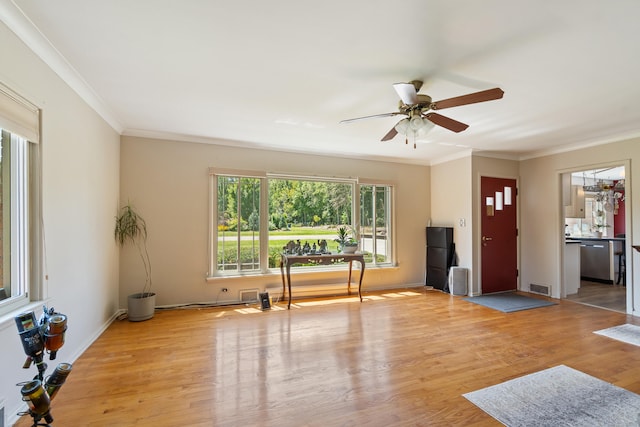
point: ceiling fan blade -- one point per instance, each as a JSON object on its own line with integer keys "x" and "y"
{"x": 407, "y": 93}
{"x": 390, "y": 135}
{"x": 472, "y": 98}
{"x": 371, "y": 117}
{"x": 446, "y": 122}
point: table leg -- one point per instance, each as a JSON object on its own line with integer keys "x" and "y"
{"x": 282, "y": 275}
{"x": 361, "y": 277}
{"x": 289, "y": 283}
{"x": 349, "y": 281}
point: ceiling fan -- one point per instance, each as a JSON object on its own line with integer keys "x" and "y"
{"x": 417, "y": 109}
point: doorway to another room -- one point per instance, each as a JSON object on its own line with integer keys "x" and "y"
{"x": 595, "y": 237}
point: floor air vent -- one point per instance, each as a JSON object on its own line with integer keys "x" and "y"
{"x": 540, "y": 289}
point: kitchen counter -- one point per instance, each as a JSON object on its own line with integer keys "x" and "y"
{"x": 572, "y": 267}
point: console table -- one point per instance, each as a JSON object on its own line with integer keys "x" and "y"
{"x": 286, "y": 261}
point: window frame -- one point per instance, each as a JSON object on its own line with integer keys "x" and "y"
{"x": 25, "y": 224}
{"x": 389, "y": 221}
{"x": 214, "y": 173}
{"x": 22, "y": 120}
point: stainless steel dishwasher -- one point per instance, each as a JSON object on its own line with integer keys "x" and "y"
{"x": 596, "y": 260}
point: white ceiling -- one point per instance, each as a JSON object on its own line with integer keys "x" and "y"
{"x": 282, "y": 74}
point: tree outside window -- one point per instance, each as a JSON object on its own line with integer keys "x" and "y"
{"x": 310, "y": 210}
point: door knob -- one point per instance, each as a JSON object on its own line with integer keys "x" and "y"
{"x": 486, "y": 239}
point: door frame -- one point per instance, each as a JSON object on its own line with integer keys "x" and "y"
{"x": 633, "y": 306}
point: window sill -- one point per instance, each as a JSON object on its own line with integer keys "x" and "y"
{"x": 8, "y": 318}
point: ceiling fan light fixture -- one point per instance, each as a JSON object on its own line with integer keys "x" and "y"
{"x": 426, "y": 127}
{"x": 416, "y": 123}
{"x": 402, "y": 126}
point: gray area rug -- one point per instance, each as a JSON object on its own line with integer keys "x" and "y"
{"x": 558, "y": 396}
{"x": 509, "y": 302}
{"x": 625, "y": 333}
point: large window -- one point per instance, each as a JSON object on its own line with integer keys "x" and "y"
{"x": 255, "y": 215}
{"x": 19, "y": 199}
{"x": 375, "y": 222}
{"x": 309, "y": 210}
{"x": 238, "y": 211}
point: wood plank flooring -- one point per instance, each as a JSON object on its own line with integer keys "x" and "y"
{"x": 612, "y": 297}
{"x": 400, "y": 358}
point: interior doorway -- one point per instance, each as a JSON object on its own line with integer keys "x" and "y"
{"x": 595, "y": 237}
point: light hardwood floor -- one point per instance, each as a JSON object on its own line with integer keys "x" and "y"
{"x": 612, "y": 297}
{"x": 400, "y": 358}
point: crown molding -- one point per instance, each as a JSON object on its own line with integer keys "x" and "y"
{"x": 13, "y": 17}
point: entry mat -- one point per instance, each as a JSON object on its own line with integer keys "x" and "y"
{"x": 558, "y": 396}
{"x": 625, "y": 333}
{"x": 509, "y": 302}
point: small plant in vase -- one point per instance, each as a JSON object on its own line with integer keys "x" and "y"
{"x": 599, "y": 224}
{"x": 347, "y": 243}
{"x": 600, "y": 229}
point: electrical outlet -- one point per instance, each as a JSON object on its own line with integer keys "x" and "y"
{"x": 225, "y": 289}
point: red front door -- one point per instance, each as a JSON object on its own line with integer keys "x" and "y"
{"x": 499, "y": 239}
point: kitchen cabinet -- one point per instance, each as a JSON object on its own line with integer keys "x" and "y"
{"x": 575, "y": 209}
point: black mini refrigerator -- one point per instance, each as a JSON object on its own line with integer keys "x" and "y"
{"x": 440, "y": 252}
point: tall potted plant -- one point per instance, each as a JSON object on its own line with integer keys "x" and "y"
{"x": 132, "y": 228}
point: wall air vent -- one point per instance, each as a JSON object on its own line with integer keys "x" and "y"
{"x": 540, "y": 289}
{"x": 248, "y": 295}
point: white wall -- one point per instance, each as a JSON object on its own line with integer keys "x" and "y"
{"x": 80, "y": 156}
{"x": 455, "y": 195}
{"x": 168, "y": 182}
{"x": 542, "y": 232}
{"x": 451, "y": 202}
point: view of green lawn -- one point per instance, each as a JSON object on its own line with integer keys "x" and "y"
{"x": 305, "y": 210}
{"x": 277, "y": 240}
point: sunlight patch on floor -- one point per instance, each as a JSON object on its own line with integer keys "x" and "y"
{"x": 321, "y": 302}
{"x": 326, "y": 302}
{"x": 400, "y": 294}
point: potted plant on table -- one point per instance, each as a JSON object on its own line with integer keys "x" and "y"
{"x": 600, "y": 229}
{"x": 347, "y": 243}
{"x": 131, "y": 227}
{"x": 600, "y": 225}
